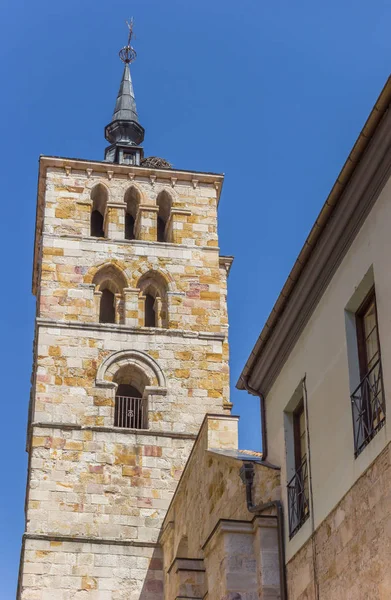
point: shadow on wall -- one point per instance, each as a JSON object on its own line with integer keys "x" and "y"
{"x": 153, "y": 583}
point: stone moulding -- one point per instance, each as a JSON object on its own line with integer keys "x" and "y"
{"x": 116, "y": 242}
{"x": 120, "y": 328}
{"x": 88, "y": 540}
{"x": 135, "y": 358}
{"x": 123, "y": 431}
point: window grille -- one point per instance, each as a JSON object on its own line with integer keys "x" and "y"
{"x": 368, "y": 408}
{"x": 130, "y": 413}
{"x": 298, "y": 502}
{"x": 367, "y": 400}
{"x": 298, "y": 486}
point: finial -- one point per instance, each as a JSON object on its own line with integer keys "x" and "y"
{"x": 128, "y": 54}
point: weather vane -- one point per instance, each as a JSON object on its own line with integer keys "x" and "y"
{"x": 128, "y": 54}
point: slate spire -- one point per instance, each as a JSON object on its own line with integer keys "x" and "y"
{"x": 124, "y": 132}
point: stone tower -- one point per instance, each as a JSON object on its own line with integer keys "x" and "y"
{"x": 130, "y": 353}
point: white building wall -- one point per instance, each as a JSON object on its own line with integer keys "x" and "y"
{"x": 320, "y": 355}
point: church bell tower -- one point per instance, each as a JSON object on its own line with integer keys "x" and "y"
{"x": 130, "y": 353}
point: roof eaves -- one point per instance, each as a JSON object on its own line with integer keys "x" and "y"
{"x": 361, "y": 144}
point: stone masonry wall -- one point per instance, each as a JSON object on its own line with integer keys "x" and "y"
{"x": 235, "y": 552}
{"x": 195, "y": 369}
{"x": 351, "y": 550}
{"x": 58, "y": 570}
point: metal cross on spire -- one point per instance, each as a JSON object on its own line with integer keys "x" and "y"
{"x": 128, "y": 54}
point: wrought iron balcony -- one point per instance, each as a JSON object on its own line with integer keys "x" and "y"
{"x": 298, "y": 504}
{"x": 368, "y": 408}
{"x": 130, "y": 413}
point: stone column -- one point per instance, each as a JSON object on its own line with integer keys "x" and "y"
{"x": 157, "y": 307}
{"x": 146, "y": 223}
{"x": 97, "y": 299}
{"x": 115, "y": 221}
{"x": 119, "y": 308}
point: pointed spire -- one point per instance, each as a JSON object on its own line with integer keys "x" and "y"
{"x": 125, "y": 106}
{"x": 124, "y": 132}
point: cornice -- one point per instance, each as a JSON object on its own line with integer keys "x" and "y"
{"x": 112, "y": 170}
{"x": 124, "y": 242}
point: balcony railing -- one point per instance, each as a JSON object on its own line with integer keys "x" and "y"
{"x": 130, "y": 413}
{"x": 368, "y": 408}
{"x": 298, "y": 504}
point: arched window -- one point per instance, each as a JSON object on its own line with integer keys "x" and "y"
{"x": 107, "y": 307}
{"x": 109, "y": 283}
{"x": 149, "y": 314}
{"x": 130, "y": 409}
{"x": 164, "y": 202}
{"x": 132, "y": 201}
{"x": 99, "y": 196}
{"x": 153, "y": 300}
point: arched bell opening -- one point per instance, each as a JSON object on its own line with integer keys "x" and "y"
{"x": 99, "y": 197}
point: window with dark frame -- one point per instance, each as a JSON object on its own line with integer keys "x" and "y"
{"x": 298, "y": 486}
{"x": 368, "y": 406}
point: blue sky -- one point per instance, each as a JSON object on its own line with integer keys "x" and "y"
{"x": 272, "y": 94}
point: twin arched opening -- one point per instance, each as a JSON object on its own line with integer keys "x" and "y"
{"x": 149, "y": 299}
{"x": 109, "y": 284}
{"x": 153, "y": 299}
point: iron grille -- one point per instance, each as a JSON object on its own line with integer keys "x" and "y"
{"x": 298, "y": 505}
{"x": 130, "y": 412}
{"x": 368, "y": 408}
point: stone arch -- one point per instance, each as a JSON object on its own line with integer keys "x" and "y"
{"x": 110, "y": 275}
{"x": 153, "y": 304}
{"x": 109, "y": 282}
{"x": 119, "y": 265}
{"x": 148, "y": 369}
{"x": 160, "y": 273}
